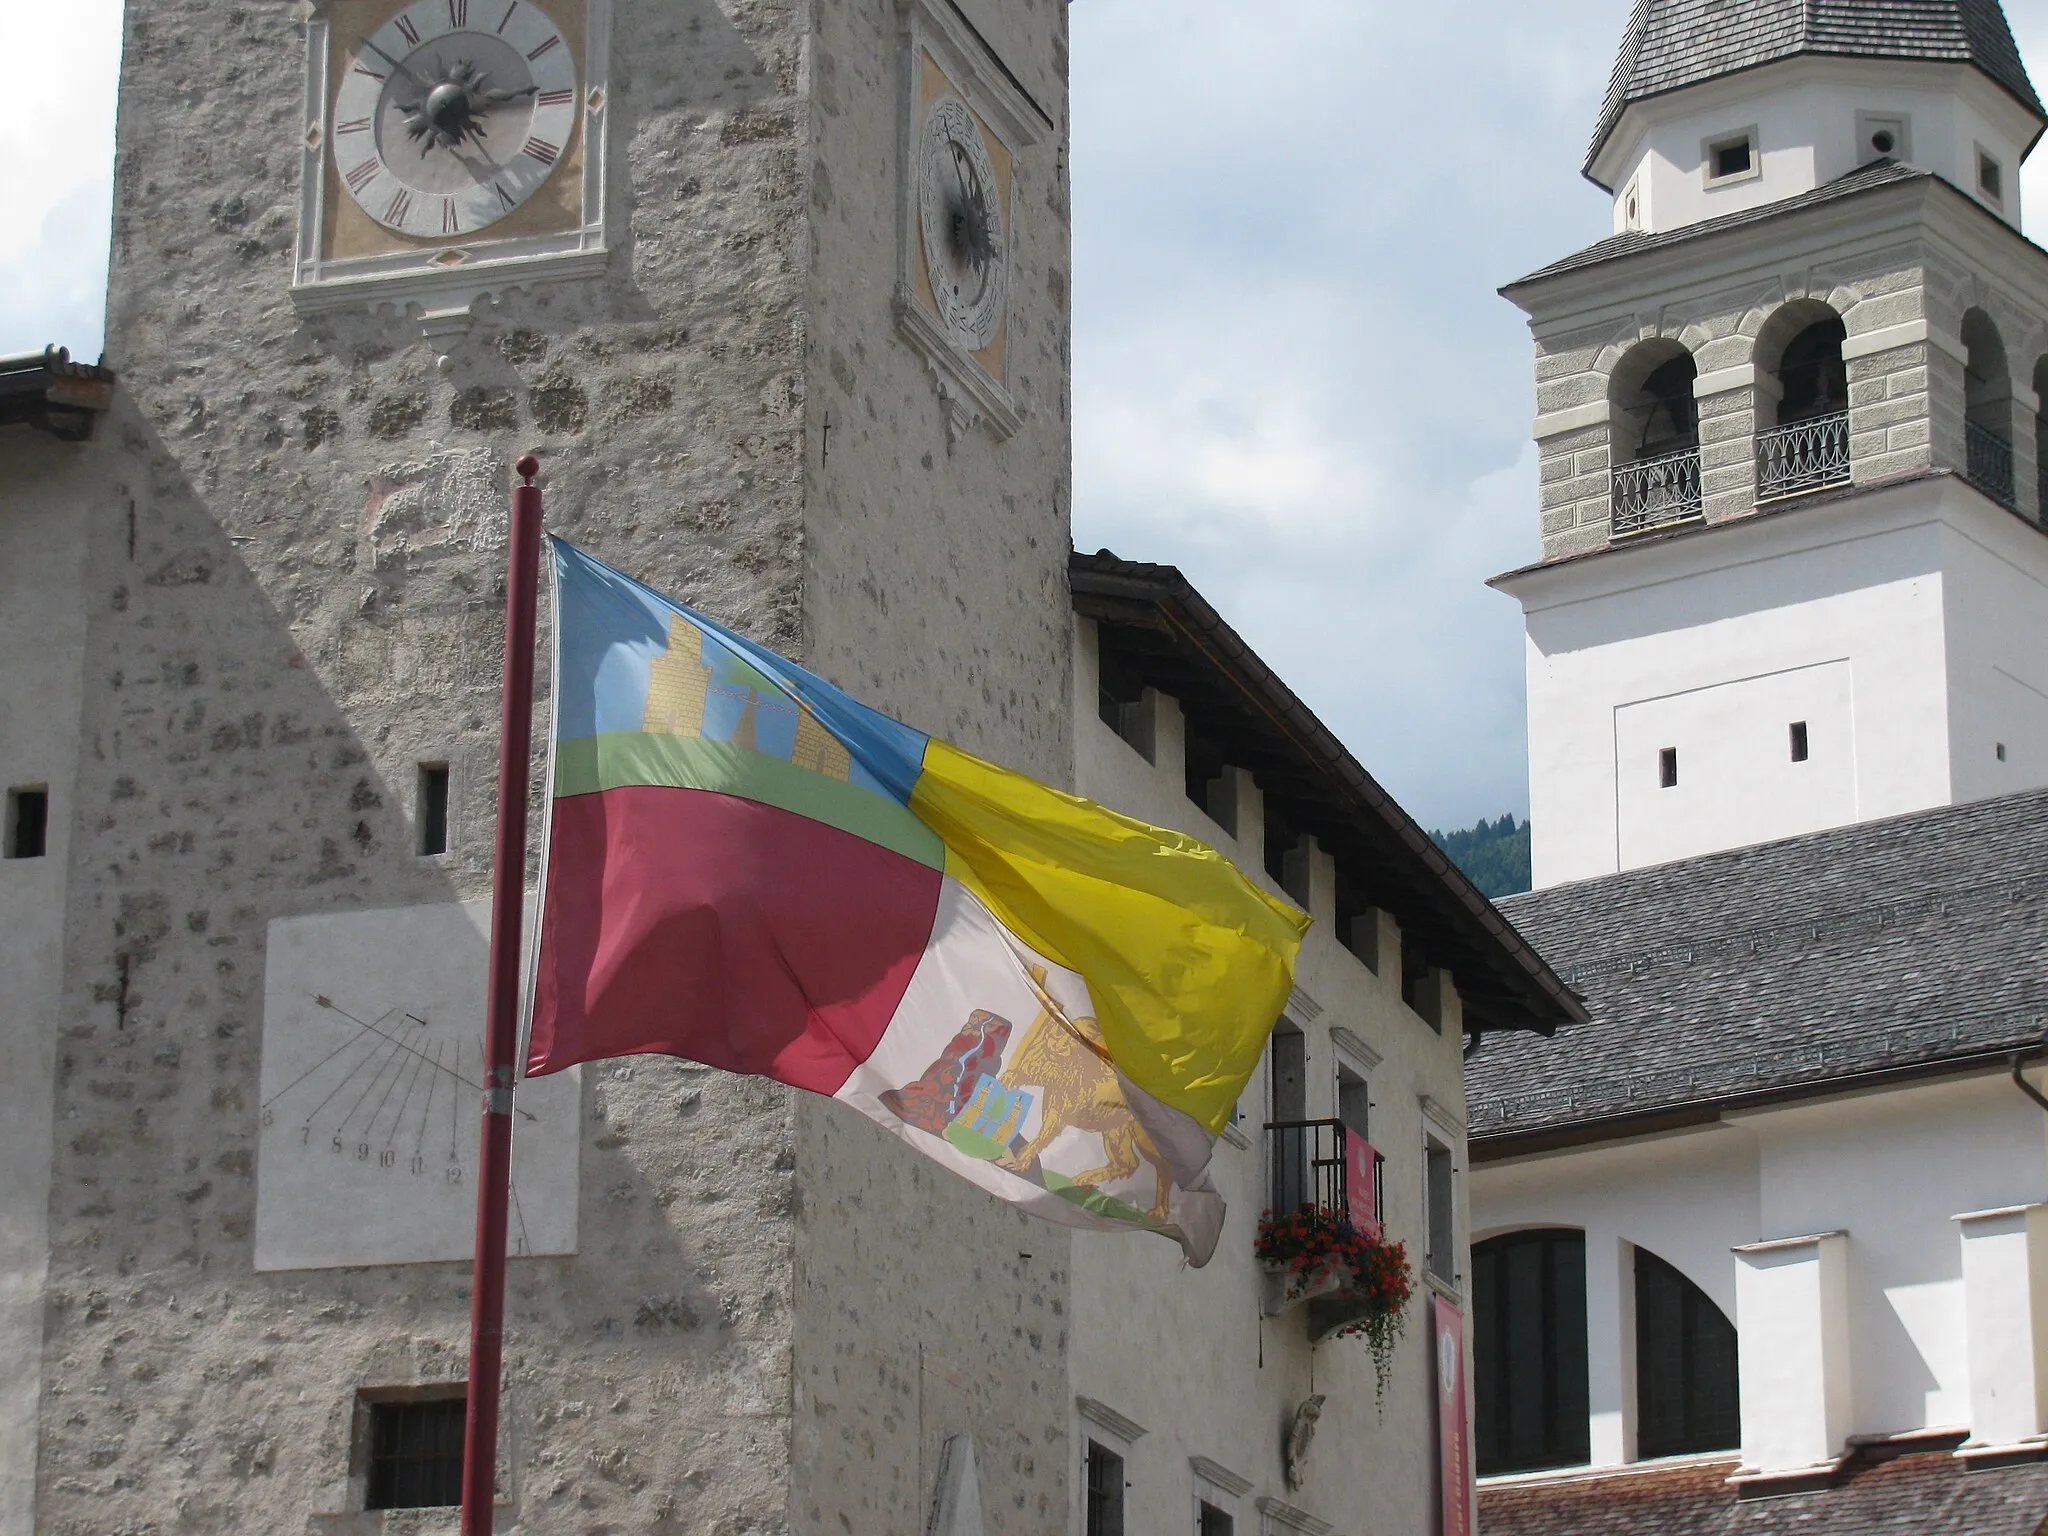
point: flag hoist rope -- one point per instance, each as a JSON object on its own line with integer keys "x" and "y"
{"x": 501, "y": 1019}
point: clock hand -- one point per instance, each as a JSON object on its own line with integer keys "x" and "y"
{"x": 398, "y": 66}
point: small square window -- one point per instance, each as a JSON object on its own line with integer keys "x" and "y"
{"x": 1731, "y": 158}
{"x": 415, "y": 1454}
{"x": 1990, "y": 177}
{"x": 433, "y": 808}
{"x": 1667, "y": 768}
{"x": 1798, "y": 741}
{"x": 1883, "y": 136}
{"x": 28, "y": 822}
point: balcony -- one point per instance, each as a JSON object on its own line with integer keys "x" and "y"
{"x": 1656, "y": 493}
{"x": 1989, "y": 463}
{"x": 1804, "y": 456}
{"x": 1322, "y": 1166}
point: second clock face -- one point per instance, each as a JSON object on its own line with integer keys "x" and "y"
{"x": 453, "y": 113}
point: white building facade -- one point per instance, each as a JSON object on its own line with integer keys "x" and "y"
{"x": 1769, "y": 1227}
{"x": 1790, "y": 435}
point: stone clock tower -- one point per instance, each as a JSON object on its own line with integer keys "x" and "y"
{"x": 1794, "y": 572}
{"x": 778, "y": 292}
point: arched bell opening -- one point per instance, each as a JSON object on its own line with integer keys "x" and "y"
{"x": 1987, "y": 409}
{"x": 1654, "y": 437}
{"x": 1802, "y": 401}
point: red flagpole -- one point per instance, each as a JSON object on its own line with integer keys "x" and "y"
{"x": 501, "y": 1023}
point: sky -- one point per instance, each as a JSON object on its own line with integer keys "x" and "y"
{"x": 1294, "y": 378}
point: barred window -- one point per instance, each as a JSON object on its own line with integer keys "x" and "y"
{"x": 415, "y": 1459}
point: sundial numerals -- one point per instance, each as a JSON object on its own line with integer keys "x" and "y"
{"x": 370, "y": 1114}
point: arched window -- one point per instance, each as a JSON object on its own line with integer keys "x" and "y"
{"x": 1686, "y": 1383}
{"x": 1802, "y": 438}
{"x": 1654, "y": 437}
{"x": 1529, "y": 1347}
{"x": 1987, "y": 408}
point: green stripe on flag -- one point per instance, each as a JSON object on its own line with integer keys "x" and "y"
{"x": 618, "y": 759}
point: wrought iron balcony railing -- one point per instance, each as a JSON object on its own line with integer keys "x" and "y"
{"x": 1803, "y": 456}
{"x": 1326, "y": 1165}
{"x": 1655, "y": 493}
{"x": 1989, "y": 463}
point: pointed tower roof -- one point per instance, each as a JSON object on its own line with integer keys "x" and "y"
{"x": 1676, "y": 43}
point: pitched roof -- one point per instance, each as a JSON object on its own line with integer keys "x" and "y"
{"x": 1905, "y": 945}
{"x": 1154, "y": 623}
{"x": 47, "y": 390}
{"x": 1880, "y": 1492}
{"x": 1671, "y": 44}
{"x": 1865, "y": 178}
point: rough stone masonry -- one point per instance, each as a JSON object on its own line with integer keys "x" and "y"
{"x": 289, "y": 571}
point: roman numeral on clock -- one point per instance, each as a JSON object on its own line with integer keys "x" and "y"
{"x": 506, "y": 198}
{"x": 353, "y": 125}
{"x": 400, "y": 206}
{"x": 362, "y": 175}
{"x": 364, "y": 69}
{"x": 507, "y": 17}
{"x": 458, "y": 13}
{"x": 543, "y": 151}
{"x": 555, "y": 98}
{"x": 405, "y": 26}
{"x": 451, "y": 217}
{"x": 547, "y": 47}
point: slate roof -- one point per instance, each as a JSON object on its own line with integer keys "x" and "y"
{"x": 1671, "y": 44}
{"x": 1865, "y": 178}
{"x": 1779, "y": 970}
{"x": 1880, "y": 1493}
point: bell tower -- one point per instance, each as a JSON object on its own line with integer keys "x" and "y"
{"x": 1794, "y": 571}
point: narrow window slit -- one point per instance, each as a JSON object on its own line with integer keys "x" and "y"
{"x": 28, "y": 822}
{"x": 1799, "y": 751}
{"x": 433, "y": 808}
{"x": 1667, "y": 768}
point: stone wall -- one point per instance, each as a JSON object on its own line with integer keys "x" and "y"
{"x": 305, "y": 607}
{"x": 935, "y": 587}
{"x": 1901, "y": 286}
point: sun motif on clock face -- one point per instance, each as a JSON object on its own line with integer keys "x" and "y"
{"x": 453, "y": 113}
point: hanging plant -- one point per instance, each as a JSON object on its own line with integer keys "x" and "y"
{"x": 1372, "y": 1274}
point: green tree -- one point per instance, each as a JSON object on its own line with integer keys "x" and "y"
{"x": 1493, "y": 854}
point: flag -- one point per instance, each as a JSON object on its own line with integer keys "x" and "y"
{"x": 747, "y": 868}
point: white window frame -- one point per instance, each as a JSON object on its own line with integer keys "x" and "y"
{"x": 1216, "y": 1485}
{"x": 1115, "y": 1432}
{"x": 1710, "y": 149}
{"x": 1900, "y": 124}
{"x": 1984, "y": 156}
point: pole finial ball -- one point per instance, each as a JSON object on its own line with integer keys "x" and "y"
{"x": 528, "y": 466}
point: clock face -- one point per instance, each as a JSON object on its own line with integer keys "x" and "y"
{"x": 960, "y": 214}
{"x": 453, "y": 113}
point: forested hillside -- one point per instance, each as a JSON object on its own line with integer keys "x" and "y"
{"x": 1493, "y": 854}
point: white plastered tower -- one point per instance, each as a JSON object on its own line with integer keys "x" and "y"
{"x": 1793, "y": 571}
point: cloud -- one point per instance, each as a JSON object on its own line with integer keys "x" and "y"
{"x": 57, "y": 142}
{"x": 1293, "y": 375}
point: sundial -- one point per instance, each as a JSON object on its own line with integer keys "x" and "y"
{"x": 371, "y": 1093}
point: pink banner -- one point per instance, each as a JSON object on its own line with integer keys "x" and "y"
{"x": 1452, "y": 1447}
{"x": 1361, "y": 1185}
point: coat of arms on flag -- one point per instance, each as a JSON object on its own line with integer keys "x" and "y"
{"x": 750, "y": 869}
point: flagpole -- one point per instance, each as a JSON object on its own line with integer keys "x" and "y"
{"x": 501, "y": 1021}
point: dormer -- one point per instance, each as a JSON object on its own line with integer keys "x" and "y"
{"x": 1720, "y": 108}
